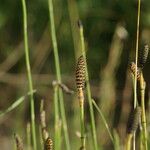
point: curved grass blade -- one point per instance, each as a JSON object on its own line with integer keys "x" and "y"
{"x": 15, "y": 104}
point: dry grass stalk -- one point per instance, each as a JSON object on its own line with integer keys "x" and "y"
{"x": 63, "y": 87}
{"x": 45, "y": 135}
{"x": 19, "y": 143}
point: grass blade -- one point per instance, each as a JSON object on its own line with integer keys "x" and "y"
{"x": 15, "y": 104}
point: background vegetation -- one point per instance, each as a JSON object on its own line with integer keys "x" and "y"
{"x": 110, "y": 35}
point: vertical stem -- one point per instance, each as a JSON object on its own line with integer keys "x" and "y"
{"x": 128, "y": 142}
{"x": 143, "y": 116}
{"x": 29, "y": 73}
{"x": 81, "y": 103}
{"x": 57, "y": 120}
{"x": 136, "y": 61}
{"x": 58, "y": 73}
{"x": 88, "y": 89}
{"x": 28, "y": 136}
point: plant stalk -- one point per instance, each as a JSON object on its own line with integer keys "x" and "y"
{"x": 143, "y": 114}
{"x": 81, "y": 103}
{"x": 136, "y": 61}
{"x": 57, "y": 120}
{"x": 58, "y": 73}
{"x": 88, "y": 89}
{"x": 128, "y": 142}
{"x": 25, "y": 32}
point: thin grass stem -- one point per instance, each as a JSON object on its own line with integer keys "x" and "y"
{"x": 58, "y": 73}
{"x": 104, "y": 121}
{"x": 136, "y": 61}
{"x": 15, "y": 104}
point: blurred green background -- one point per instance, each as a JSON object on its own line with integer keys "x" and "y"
{"x": 110, "y": 35}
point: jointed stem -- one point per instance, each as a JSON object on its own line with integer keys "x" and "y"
{"x": 88, "y": 90}
{"x": 29, "y": 74}
{"x": 81, "y": 103}
{"x": 58, "y": 73}
{"x": 143, "y": 115}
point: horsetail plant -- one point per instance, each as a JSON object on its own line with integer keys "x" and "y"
{"x": 58, "y": 73}
{"x": 143, "y": 114}
{"x": 132, "y": 126}
{"x": 142, "y": 60}
{"x": 94, "y": 136}
{"x": 143, "y": 54}
{"x": 29, "y": 73}
{"x": 80, "y": 82}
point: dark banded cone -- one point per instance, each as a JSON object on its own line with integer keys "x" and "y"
{"x": 80, "y": 73}
{"x": 133, "y": 70}
{"x": 48, "y": 144}
{"x": 143, "y": 54}
{"x": 134, "y": 120}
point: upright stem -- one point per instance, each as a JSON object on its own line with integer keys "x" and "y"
{"x": 128, "y": 142}
{"x": 57, "y": 120}
{"x": 143, "y": 116}
{"x": 136, "y": 56}
{"x": 136, "y": 61}
{"x": 58, "y": 73}
{"x": 81, "y": 103}
{"x": 88, "y": 90}
{"x": 28, "y": 136}
{"x": 29, "y": 73}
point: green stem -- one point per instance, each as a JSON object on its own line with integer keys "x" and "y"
{"x": 29, "y": 73}
{"x": 143, "y": 115}
{"x": 57, "y": 120}
{"x": 88, "y": 89}
{"x": 81, "y": 103}
{"x": 28, "y": 136}
{"x": 128, "y": 142}
{"x": 58, "y": 73}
